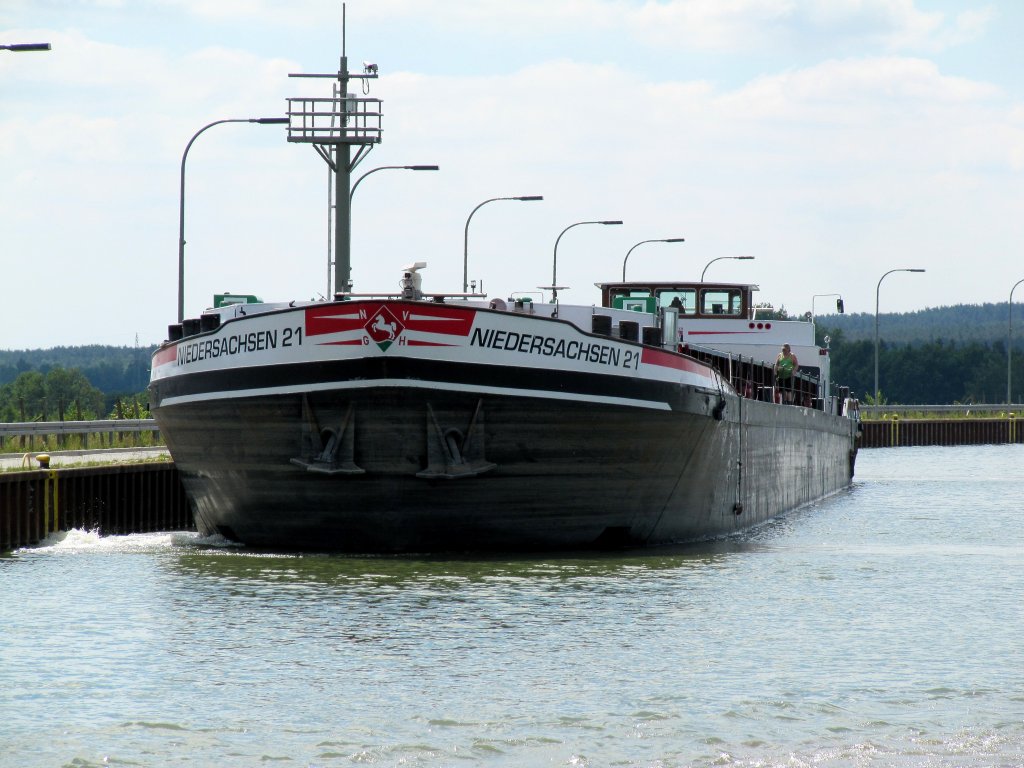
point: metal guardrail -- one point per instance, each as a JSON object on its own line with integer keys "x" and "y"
{"x": 348, "y": 120}
{"x": 30, "y": 428}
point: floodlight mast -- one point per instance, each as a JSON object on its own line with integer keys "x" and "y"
{"x": 334, "y": 126}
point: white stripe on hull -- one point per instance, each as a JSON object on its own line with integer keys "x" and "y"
{"x": 413, "y": 384}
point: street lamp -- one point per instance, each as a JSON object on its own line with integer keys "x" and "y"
{"x": 877, "y": 288}
{"x": 465, "y": 241}
{"x": 741, "y": 258}
{"x": 22, "y": 47}
{"x": 665, "y": 240}
{"x": 181, "y": 199}
{"x": 554, "y": 259}
{"x": 1009, "y": 338}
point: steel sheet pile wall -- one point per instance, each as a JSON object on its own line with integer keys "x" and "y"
{"x": 908, "y": 432}
{"x": 119, "y": 499}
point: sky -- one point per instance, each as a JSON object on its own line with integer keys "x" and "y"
{"x": 833, "y": 140}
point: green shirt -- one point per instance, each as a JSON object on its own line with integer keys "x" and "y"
{"x": 785, "y": 367}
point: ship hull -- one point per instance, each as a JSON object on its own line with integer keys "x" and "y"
{"x": 563, "y": 475}
{"x": 379, "y": 453}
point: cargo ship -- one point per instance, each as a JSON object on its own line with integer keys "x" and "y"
{"x": 432, "y": 421}
{"x": 417, "y": 423}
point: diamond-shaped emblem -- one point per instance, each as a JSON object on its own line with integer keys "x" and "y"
{"x": 384, "y": 328}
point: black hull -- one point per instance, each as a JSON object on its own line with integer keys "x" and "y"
{"x": 528, "y": 473}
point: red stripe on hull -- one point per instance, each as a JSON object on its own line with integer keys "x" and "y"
{"x": 666, "y": 360}
{"x": 165, "y": 355}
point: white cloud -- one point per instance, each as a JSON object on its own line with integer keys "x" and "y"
{"x": 710, "y": 24}
{"x": 745, "y": 25}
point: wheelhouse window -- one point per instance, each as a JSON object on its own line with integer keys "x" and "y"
{"x": 719, "y": 301}
{"x": 725, "y": 300}
{"x": 683, "y": 299}
{"x": 631, "y": 293}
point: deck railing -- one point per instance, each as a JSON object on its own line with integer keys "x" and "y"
{"x": 755, "y": 379}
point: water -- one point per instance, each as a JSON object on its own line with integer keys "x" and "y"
{"x": 882, "y": 627}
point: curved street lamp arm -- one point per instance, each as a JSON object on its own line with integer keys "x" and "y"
{"x": 740, "y": 258}
{"x": 629, "y": 252}
{"x": 465, "y": 243}
{"x": 878, "y": 288}
{"x": 656, "y": 240}
{"x": 1009, "y": 340}
{"x": 465, "y": 239}
{"x": 822, "y": 296}
{"x": 554, "y": 257}
{"x": 388, "y": 168}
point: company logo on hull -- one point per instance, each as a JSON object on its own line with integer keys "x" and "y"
{"x": 366, "y": 323}
{"x": 384, "y": 328}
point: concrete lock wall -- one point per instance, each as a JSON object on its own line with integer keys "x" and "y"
{"x": 894, "y": 432}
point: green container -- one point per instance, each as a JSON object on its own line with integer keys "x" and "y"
{"x": 223, "y": 299}
{"x": 635, "y": 303}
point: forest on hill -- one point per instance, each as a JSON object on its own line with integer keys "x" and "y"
{"x": 935, "y": 356}
{"x": 90, "y": 382}
{"x": 963, "y": 323}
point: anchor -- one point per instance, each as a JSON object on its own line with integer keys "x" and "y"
{"x": 337, "y": 455}
{"x": 452, "y": 455}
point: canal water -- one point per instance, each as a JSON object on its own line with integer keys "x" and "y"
{"x": 882, "y": 627}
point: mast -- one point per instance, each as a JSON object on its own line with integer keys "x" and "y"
{"x": 335, "y": 126}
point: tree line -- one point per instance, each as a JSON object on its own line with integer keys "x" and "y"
{"x": 73, "y": 383}
{"x": 63, "y": 394}
{"x": 108, "y": 368}
{"x": 962, "y": 324}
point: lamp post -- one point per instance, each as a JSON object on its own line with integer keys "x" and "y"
{"x": 1009, "y": 338}
{"x": 877, "y": 289}
{"x": 740, "y": 258}
{"x": 665, "y": 240}
{"x": 23, "y": 47}
{"x": 465, "y": 240}
{"x": 554, "y": 258}
{"x": 181, "y": 199}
